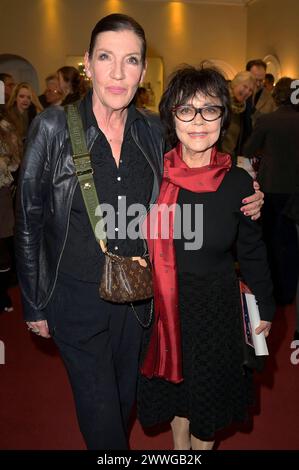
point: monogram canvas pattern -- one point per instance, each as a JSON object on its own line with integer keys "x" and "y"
{"x": 125, "y": 280}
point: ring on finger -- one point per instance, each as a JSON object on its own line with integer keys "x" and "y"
{"x": 33, "y": 330}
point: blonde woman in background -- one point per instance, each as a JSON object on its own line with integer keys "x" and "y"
{"x": 22, "y": 107}
{"x": 240, "y": 88}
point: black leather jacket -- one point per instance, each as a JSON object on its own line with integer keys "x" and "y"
{"x": 46, "y": 188}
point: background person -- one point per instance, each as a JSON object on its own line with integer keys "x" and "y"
{"x": 269, "y": 82}
{"x": 10, "y": 153}
{"x": 9, "y": 84}
{"x": 261, "y": 102}
{"x": 22, "y": 107}
{"x": 141, "y": 98}
{"x": 276, "y": 139}
{"x": 240, "y": 89}
{"x": 52, "y": 94}
{"x": 71, "y": 84}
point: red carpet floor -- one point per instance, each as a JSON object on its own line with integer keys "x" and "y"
{"x": 37, "y": 409}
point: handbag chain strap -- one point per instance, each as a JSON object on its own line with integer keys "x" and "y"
{"x": 143, "y": 324}
{"x": 84, "y": 172}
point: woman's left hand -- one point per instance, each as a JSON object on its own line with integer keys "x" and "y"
{"x": 253, "y": 204}
{"x": 264, "y": 326}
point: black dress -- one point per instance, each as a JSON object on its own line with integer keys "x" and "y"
{"x": 216, "y": 389}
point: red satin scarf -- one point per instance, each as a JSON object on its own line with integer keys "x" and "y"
{"x": 163, "y": 358}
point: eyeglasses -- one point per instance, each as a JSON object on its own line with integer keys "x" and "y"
{"x": 188, "y": 112}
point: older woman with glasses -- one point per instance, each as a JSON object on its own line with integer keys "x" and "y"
{"x": 192, "y": 370}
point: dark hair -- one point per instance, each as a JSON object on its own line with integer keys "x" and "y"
{"x": 72, "y": 75}
{"x": 4, "y": 76}
{"x": 118, "y": 22}
{"x": 270, "y": 78}
{"x": 257, "y": 63}
{"x": 282, "y": 91}
{"x": 184, "y": 84}
{"x": 3, "y": 111}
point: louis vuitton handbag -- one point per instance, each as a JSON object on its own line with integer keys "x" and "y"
{"x": 124, "y": 279}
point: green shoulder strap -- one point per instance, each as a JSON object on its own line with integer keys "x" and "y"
{"x": 84, "y": 172}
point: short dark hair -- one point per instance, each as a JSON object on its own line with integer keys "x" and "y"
{"x": 118, "y": 22}
{"x": 184, "y": 84}
{"x": 270, "y": 78}
{"x": 282, "y": 91}
{"x": 71, "y": 75}
{"x": 4, "y": 76}
{"x": 257, "y": 63}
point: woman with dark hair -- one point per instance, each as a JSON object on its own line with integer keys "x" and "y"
{"x": 59, "y": 259}
{"x": 192, "y": 372}
{"x": 71, "y": 84}
{"x": 60, "y": 263}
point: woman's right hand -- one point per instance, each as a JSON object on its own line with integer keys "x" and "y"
{"x": 264, "y": 326}
{"x": 40, "y": 328}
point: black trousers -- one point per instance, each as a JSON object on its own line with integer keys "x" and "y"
{"x": 100, "y": 345}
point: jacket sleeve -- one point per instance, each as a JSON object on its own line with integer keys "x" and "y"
{"x": 252, "y": 258}
{"x": 31, "y": 196}
{"x": 255, "y": 143}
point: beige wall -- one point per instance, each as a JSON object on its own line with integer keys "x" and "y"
{"x": 273, "y": 28}
{"x": 46, "y": 31}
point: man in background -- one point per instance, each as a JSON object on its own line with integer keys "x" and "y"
{"x": 52, "y": 94}
{"x": 260, "y": 102}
